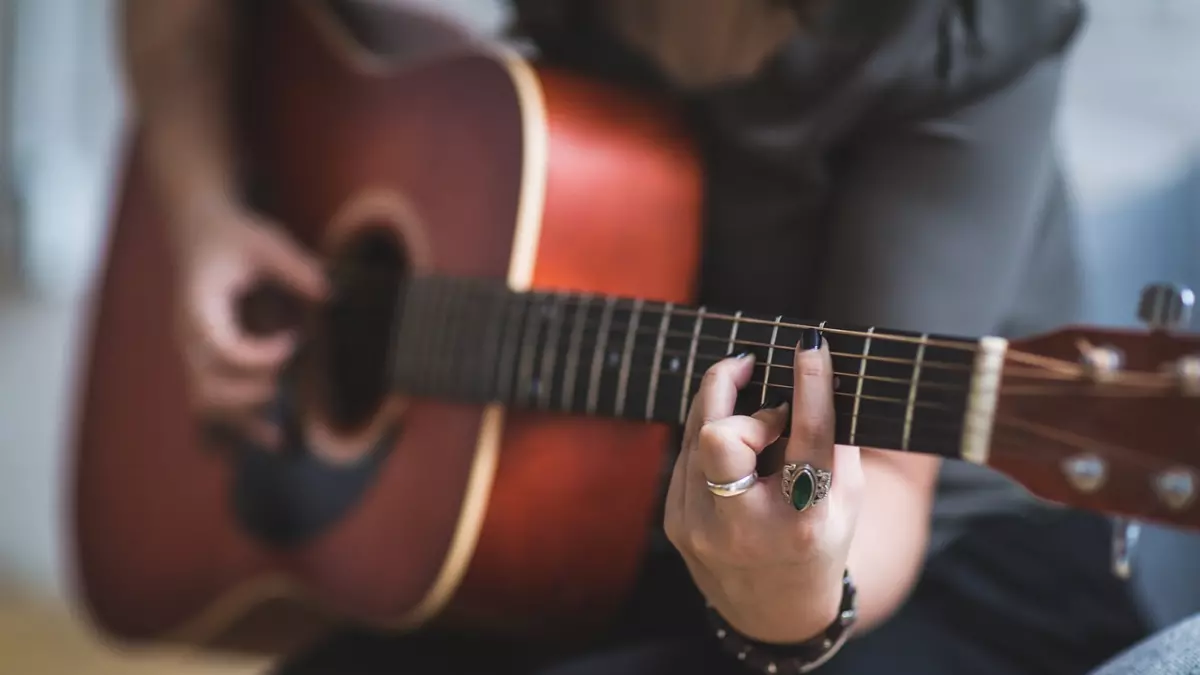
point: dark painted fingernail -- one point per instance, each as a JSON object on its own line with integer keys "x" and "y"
{"x": 742, "y": 355}
{"x": 773, "y": 400}
{"x": 810, "y": 338}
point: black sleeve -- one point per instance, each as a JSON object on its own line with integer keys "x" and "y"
{"x": 938, "y": 222}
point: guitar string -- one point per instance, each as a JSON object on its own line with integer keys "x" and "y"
{"x": 572, "y": 299}
{"x": 1042, "y": 429}
{"x": 1050, "y": 366}
{"x": 591, "y": 338}
{"x": 1060, "y": 369}
{"x": 1160, "y": 382}
{"x": 1003, "y": 425}
{"x": 999, "y": 422}
{"x": 491, "y": 294}
{"x": 641, "y": 351}
{"x": 882, "y": 399}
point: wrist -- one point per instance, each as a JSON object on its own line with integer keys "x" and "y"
{"x": 783, "y": 615}
{"x": 199, "y": 187}
{"x": 194, "y": 197}
{"x": 795, "y": 657}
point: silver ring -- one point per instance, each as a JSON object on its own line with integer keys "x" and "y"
{"x": 733, "y": 489}
{"x": 805, "y": 485}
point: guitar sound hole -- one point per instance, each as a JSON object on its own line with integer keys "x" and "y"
{"x": 356, "y": 327}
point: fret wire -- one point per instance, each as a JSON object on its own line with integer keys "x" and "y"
{"x": 550, "y": 353}
{"x": 525, "y": 315}
{"x": 966, "y": 345}
{"x": 912, "y": 392}
{"x": 393, "y": 367}
{"x": 537, "y": 321}
{"x": 573, "y": 350}
{"x": 951, "y": 431}
{"x": 659, "y": 343}
{"x": 626, "y": 353}
{"x": 770, "y": 357}
{"x": 880, "y": 399}
{"x": 497, "y": 306}
{"x": 508, "y": 351}
{"x": 709, "y": 315}
{"x": 450, "y": 343}
{"x": 733, "y": 331}
{"x": 529, "y": 342}
{"x": 835, "y": 331}
{"x": 400, "y": 347}
{"x": 580, "y": 325}
{"x": 899, "y": 401}
{"x": 466, "y": 350}
{"x": 862, "y": 371}
{"x": 417, "y": 339}
{"x": 436, "y": 309}
{"x": 750, "y": 343}
{"x": 848, "y": 375}
{"x": 524, "y": 333}
{"x": 427, "y": 338}
{"x": 598, "y": 358}
{"x": 428, "y": 352}
{"x": 684, "y": 400}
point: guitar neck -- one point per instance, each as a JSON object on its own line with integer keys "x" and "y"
{"x": 627, "y": 358}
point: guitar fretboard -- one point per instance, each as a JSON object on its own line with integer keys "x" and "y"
{"x": 628, "y": 358}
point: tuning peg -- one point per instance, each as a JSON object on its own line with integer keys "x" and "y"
{"x": 1166, "y": 306}
{"x": 1125, "y": 537}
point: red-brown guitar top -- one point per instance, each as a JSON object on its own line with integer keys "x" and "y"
{"x": 474, "y": 164}
{"x": 480, "y": 416}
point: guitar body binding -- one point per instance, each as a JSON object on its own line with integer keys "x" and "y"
{"x": 479, "y": 164}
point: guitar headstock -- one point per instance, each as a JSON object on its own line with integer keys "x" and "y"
{"x": 1107, "y": 419}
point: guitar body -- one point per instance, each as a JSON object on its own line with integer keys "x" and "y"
{"x": 467, "y": 164}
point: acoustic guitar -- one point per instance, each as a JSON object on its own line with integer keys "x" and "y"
{"x": 478, "y": 427}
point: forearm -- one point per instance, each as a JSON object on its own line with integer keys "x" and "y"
{"x": 892, "y": 533}
{"x": 178, "y": 55}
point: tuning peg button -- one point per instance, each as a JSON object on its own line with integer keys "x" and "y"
{"x": 1101, "y": 364}
{"x": 1187, "y": 369}
{"x": 1176, "y": 488}
{"x": 1166, "y": 306}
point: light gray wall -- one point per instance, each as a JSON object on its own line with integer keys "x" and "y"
{"x": 66, "y": 121}
{"x": 1131, "y": 133}
{"x": 8, "y": 210}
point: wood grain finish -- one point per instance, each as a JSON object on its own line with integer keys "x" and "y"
{"x": 156, "y": 544}
{"x": 518, "y": 521}
{"x": 1139, "y": 424}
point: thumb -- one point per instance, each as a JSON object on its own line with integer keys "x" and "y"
{"x": 287, "y": 261}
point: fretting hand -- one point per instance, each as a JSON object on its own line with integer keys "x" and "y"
{"x": 770, "y": 565}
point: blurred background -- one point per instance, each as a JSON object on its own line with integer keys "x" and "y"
{"x": 1130, "y": 132}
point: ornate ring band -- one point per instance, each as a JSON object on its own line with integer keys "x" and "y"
{"x": 804, "y": 485}
{"x": 733, "y": 489}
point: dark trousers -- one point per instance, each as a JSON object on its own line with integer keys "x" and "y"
{"x": 1026, "y": 595}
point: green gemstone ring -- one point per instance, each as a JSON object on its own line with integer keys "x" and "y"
{"x": 804, "y": 485}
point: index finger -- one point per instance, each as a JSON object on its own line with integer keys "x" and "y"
{"x": 232, "y": 346}
{"x": 718, "y": 392}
